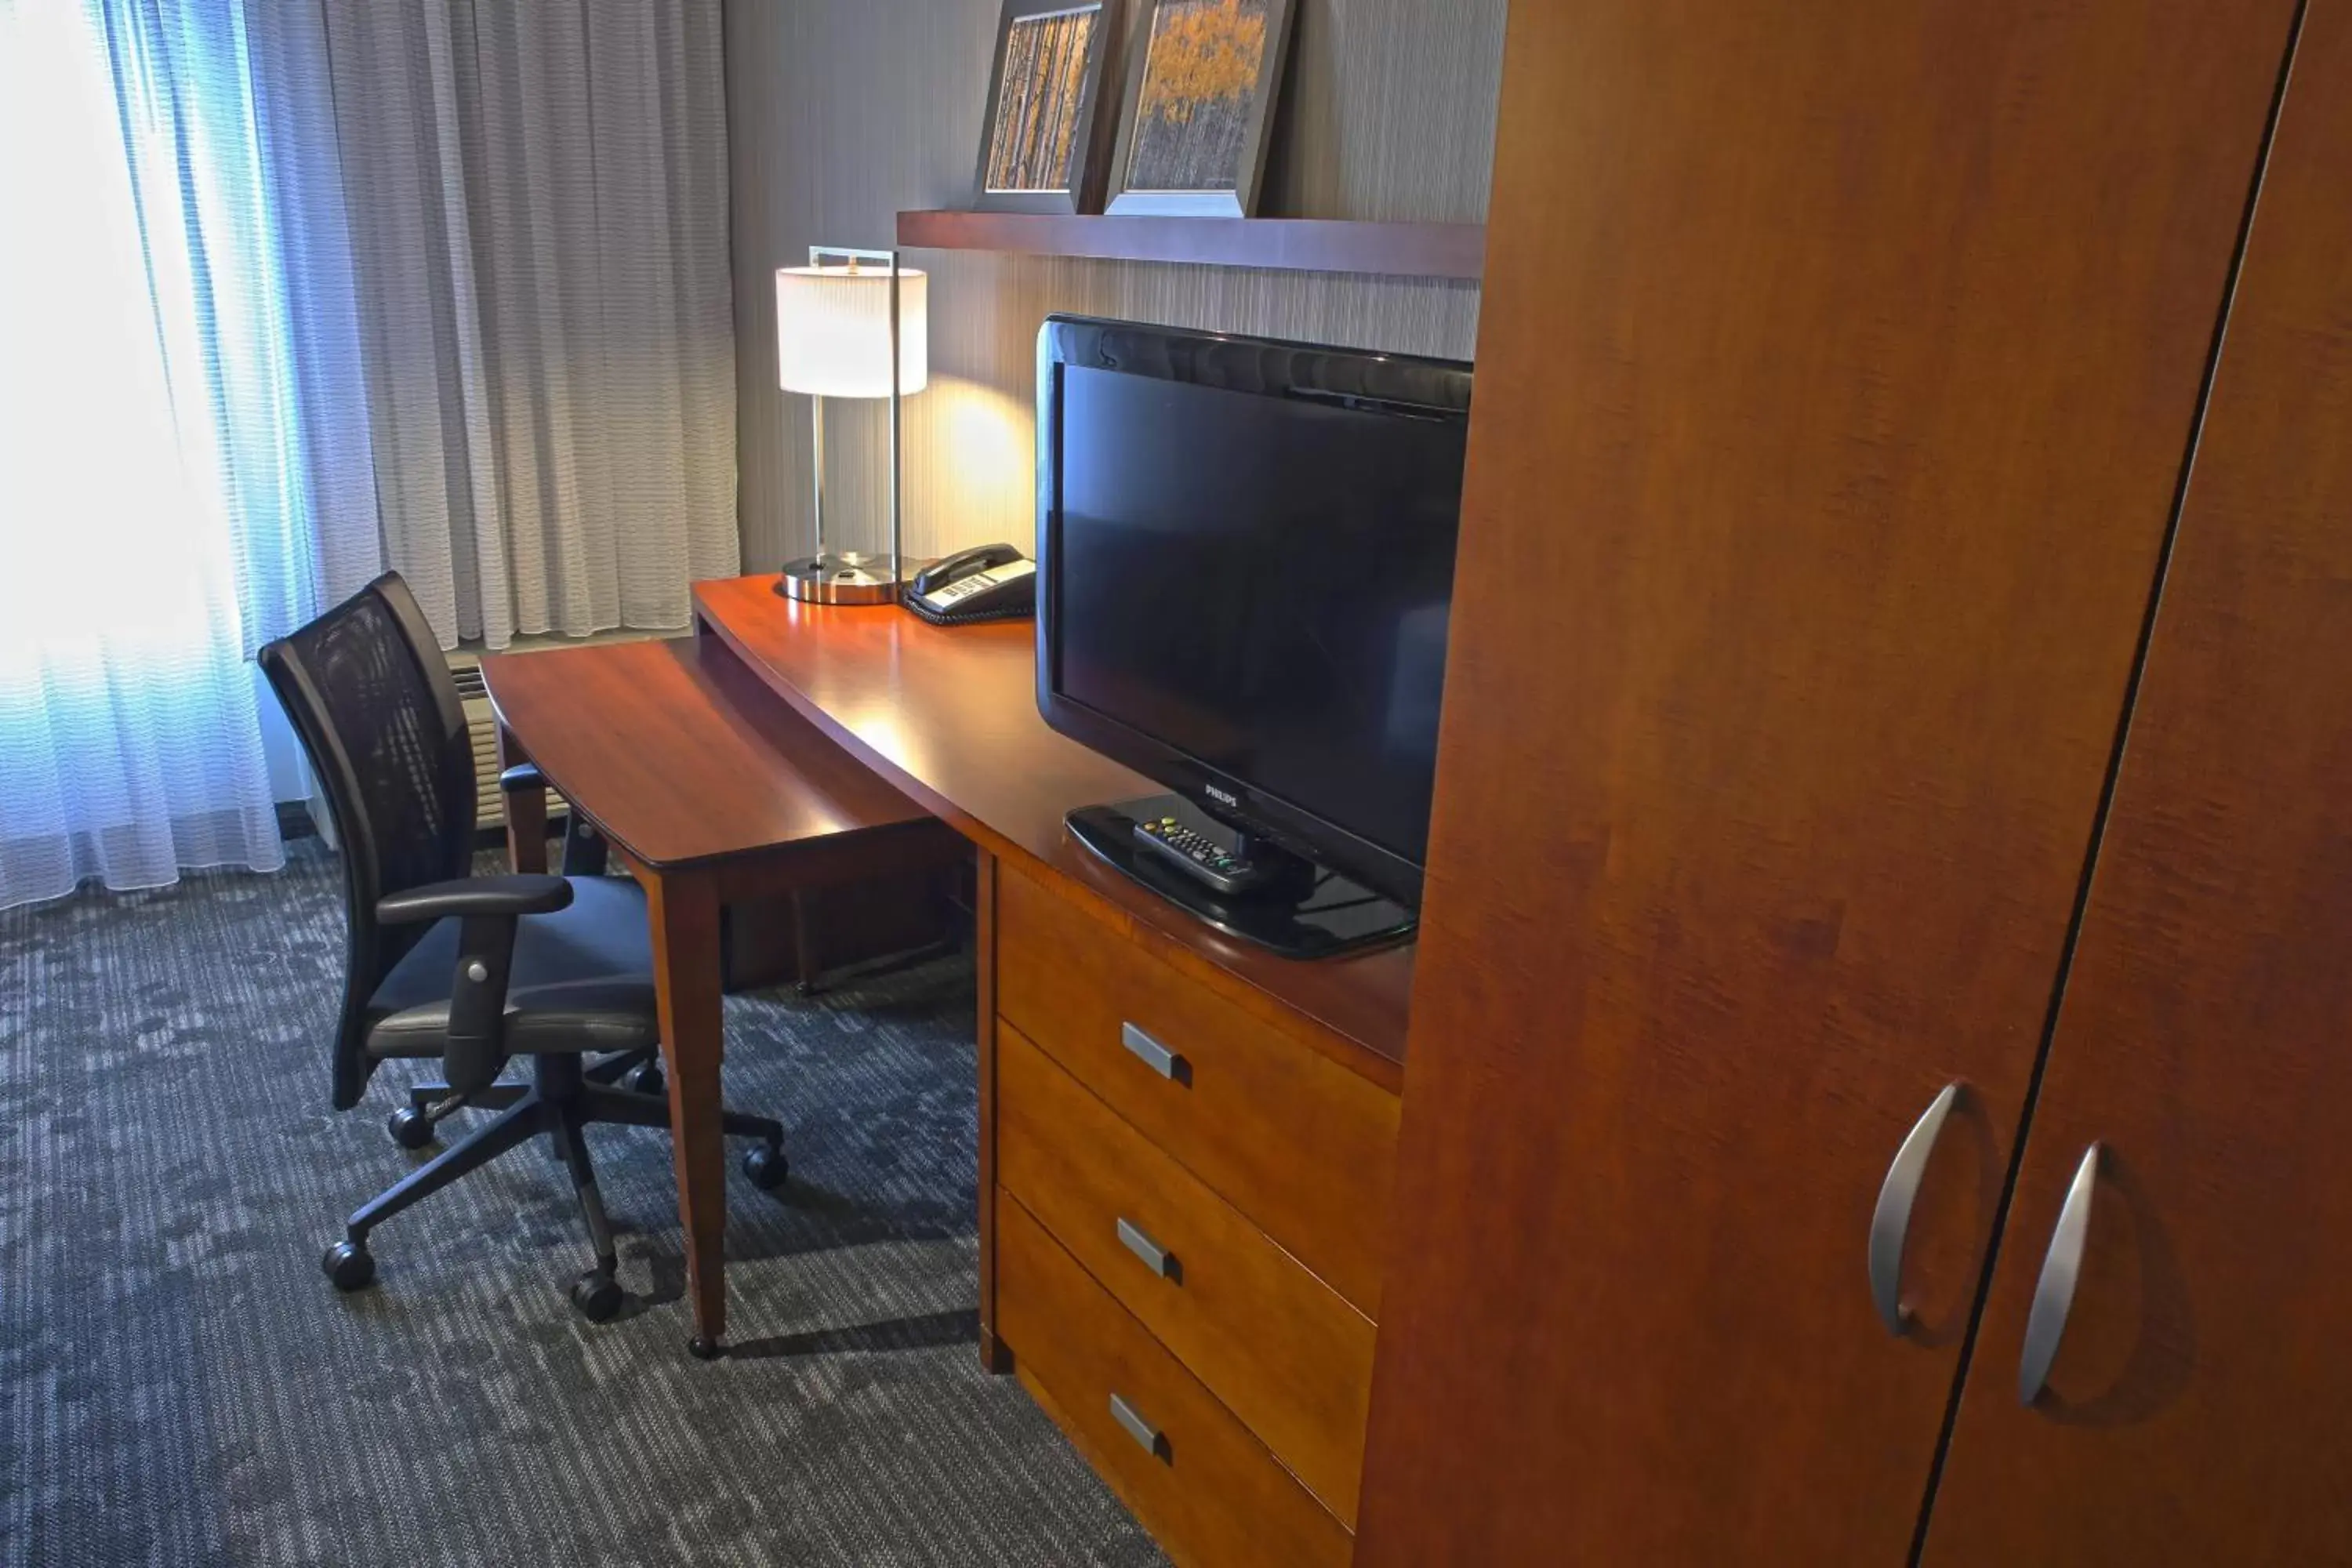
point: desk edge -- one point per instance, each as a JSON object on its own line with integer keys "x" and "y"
{"x": 1381, "y": 1066}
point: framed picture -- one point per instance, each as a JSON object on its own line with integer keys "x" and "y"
{"x": 1041, "y": 141}
{"x": 1199, "y": 99}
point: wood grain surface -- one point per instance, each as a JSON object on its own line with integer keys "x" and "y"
{"x": 1210, "y": 1493}
{"x": 949, "y": 715}
{"x": 2200, "y": 1408}
{"x": 679, "y": 755}
{"x": 1288, "y": 245}
{"x": 1302, "y": 1146}
{"x": 1838, "y": 370}
{"x": 682, "y": 908}
{"x": 994, "y": 1356}
{"x": 1284, "y": 1350}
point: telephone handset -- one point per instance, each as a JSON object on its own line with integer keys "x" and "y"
{"x": 988, "y": 583}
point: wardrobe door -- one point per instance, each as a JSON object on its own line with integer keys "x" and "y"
{"x": 2190, "y": 1383}
{"x": 1837, "y": 368}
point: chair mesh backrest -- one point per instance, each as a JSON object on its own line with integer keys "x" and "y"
{"x": 412, "y": 779}
{"x": 371, "y": 697}
{"x": 379, "y": 716}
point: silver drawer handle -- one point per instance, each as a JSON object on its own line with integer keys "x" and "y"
{"x": 1890, "y": 1222}
{"x": 2061, "y": 1268}
{"x": 1167, "y": 1064}
{"x": 1155, "y": 1258}
{"x": 1146, "y": 1434}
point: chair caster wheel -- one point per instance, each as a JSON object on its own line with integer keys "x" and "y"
{"x": 648, "y": 1080}
{"x": 598, "y": 1296}
{"x": 348, "y": 1266}
{"x": 767, "y": 1168}
{"x": 409, "y": 1128}
{"x": 701, "y": 1349}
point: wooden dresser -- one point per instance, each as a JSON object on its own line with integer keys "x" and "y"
{"x": 1879, "y": 1036}
{"x": 1188, "y": 1203}
{"x": 1187, "y": 1146}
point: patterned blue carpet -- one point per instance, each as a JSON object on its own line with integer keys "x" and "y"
{"x": 179, "y": 1386}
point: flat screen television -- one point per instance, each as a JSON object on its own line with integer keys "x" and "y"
{"x": 1246, "y": 562}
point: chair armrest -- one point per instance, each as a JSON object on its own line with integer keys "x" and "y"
{"x": 522, "y": 776}
{"x": 488, "y": 910}
{"x": 507, "y": 896}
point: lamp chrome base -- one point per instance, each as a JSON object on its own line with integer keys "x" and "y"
{"x": 851, "y": 577}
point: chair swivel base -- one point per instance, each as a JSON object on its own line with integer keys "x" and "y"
{"x": 561, "y": 1102}
{"x": 412, "y": 1126}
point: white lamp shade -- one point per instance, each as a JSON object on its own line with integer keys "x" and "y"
{"x": 833, "y": 331}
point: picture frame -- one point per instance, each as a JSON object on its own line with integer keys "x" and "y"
{"x": 1197, "y": 107}
{"x": 1044, "y": 136}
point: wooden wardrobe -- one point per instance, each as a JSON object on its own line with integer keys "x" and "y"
{"x": 1883, "y": 1014}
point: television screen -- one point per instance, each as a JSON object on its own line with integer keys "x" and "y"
{"x": 1249, "y": 574}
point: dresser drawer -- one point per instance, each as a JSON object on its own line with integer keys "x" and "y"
{"x": 1299, "y": 1144}
{"x": 1278, "y": 1346}
{"x": 1206, "y": 1488}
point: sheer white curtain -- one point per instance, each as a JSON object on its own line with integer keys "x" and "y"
{"x": 291, "y": 290}
{"x": 159, "y": 515}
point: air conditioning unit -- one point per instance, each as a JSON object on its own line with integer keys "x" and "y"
{"x": 482, "y": 725}
{"x": 482, "y": 728}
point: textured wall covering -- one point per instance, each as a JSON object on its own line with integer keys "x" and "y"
{"x": 842, "y": 111}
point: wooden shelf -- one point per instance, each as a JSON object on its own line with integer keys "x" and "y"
{"x": 1284, "y": 244}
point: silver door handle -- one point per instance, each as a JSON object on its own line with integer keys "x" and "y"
{"x": 2061, "y": 1268}
{"x": 1167, "y": 1064}
{"x": 1147, "y": 1436}
{"x": 1155, "y": 1258}
{"x": 1890, "y": 1222}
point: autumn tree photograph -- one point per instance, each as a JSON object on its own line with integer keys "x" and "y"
{"x": 1192, "y": 116}
{"x": 1040, "y": 91}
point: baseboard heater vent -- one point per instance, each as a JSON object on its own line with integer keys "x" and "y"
{"x": 482, "y": 726}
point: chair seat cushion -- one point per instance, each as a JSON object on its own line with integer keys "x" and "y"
{"x": 581, "y": 981}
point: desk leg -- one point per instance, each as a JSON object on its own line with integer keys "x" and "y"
{"x": 526, "y": 812}
{"x": 684, "y": 909}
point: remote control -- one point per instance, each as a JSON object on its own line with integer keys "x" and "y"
{"x": 1203, "y": 858}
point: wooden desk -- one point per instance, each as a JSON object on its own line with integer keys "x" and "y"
{"x": 711, "y": 792}
{"x": 949, "y": 716}
{"x": 1186, "y": 1144}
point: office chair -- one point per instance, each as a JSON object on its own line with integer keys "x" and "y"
{"x": 473, "y": 970}
{"x": 584, "y": 856}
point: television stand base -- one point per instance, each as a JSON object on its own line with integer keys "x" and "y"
{"x": 1311, "y": 917}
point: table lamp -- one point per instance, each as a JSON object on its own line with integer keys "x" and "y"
{"x": 848, "y": 327}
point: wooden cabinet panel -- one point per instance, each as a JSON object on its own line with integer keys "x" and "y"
{"x": 1303, "y": 1147}
{"x": 2199, "y": 1409}
{"x": 1209, "y": 1492}
{"x": 1838, "y": 366}
{"x": 1282, "y": 1349}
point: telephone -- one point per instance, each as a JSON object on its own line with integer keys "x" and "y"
{"x": 989, "y": 582}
